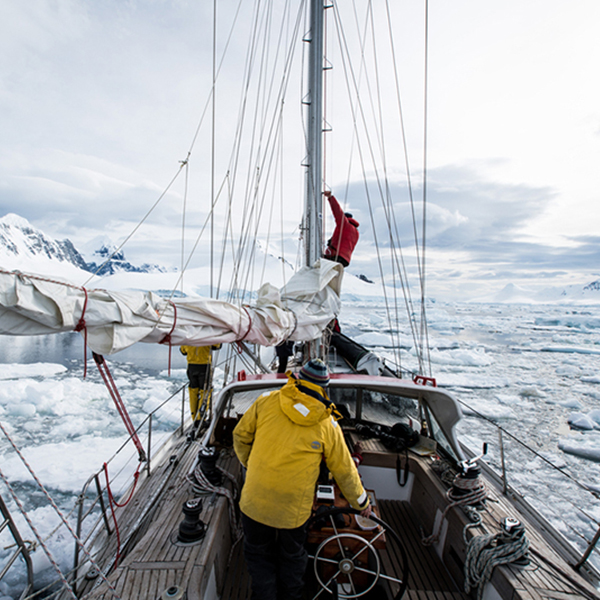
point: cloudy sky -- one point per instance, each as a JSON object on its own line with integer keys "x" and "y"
{"x": 101, "y": 100}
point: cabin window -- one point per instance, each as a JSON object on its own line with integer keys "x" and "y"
{"x": 439, "y": 436}
{"x": 378, "y": 407}
{"x": 239, "y": 402}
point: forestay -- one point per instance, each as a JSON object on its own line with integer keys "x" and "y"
{"x": 113, "y": 321}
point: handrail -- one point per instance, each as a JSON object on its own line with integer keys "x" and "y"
{"x": 21, "y": 548}
{"x": 100, "y": 491}
{"x": 506, "y": 488}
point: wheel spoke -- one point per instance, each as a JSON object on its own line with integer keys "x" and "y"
{"x": 352, "y": 586}
{"x": 337, "y": 536}
{"x": 388, "y": 578}
{"x": 328, "y": 560}
{"x": 334, "y": 577}
{"x": 367, "y": 548}
{"x": 382, "y": 532}
{"x": 350, "y": 548}
{"x": 367, "y": 571}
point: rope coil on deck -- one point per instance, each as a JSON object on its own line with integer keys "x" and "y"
{"x": 485, "y": 552}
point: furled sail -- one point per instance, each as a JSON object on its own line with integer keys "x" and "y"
{"x": 115, "y": 320}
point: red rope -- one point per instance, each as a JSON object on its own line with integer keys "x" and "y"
{"x": 112, "y": 503}
{"x": 249, "y": 326}
{"x": 81, "y": 325}
{"x": 114, "y": 393}
{"x": 167, "y": 338}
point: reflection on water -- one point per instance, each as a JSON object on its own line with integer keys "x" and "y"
{"x": 65, "y": 348}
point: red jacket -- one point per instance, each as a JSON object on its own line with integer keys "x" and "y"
{"x": 345, "y": 236}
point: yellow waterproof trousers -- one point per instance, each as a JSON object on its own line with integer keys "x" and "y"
{"x": 199, "y": 401}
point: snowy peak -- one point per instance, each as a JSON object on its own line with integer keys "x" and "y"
{"x": 111, "y": 260}
{"x": 593, "y": 287}
{"x": 24, "y": 247}
{"x": 515, "y": 294}
{"x": 18, "y": 238}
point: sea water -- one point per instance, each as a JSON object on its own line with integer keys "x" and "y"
{"x": 533, "y": 370}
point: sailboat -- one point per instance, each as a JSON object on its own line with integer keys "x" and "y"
{"x": 445, "y": 524}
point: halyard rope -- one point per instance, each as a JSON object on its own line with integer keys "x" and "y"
{"x": 112, "y": 503}
{"x": 464, "y": 492}
{"x": 114, "y": 394}
{"x": 200, "y": 485}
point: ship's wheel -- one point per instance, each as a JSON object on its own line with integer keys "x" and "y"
{"x": 347, "y": 564}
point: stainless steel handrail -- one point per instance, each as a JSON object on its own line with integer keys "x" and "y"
{"x": 21, "y": 548}
{"x": 100, "y": 490}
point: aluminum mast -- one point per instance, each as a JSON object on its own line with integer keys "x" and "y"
{"x": 313, "y": 187}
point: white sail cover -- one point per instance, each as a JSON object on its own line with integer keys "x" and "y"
{"x": 113, "y": 321}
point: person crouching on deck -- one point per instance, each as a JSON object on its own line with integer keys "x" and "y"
{"x": 341, "y": 244}
{"x": 199, "y": 359}
{"x": 281, "y": 440}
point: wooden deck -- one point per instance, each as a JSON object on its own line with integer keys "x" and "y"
{"x": 156, "y": 560}
{"x": 547, "y": 577}
{"x": 428, "y": 578}
{"x": 153, "y": 561}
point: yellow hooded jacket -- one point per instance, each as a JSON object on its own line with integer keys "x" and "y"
{"x": 281, "y": 440}
{"x": 198, "y": 355}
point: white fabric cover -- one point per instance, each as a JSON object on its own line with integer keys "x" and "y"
{"x": 35, "y": 305}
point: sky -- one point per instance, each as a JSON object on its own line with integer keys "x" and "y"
{"x": 100, "y": 103}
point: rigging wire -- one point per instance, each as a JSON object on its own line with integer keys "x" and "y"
{"x": 351, "y": 78}
{"x": 388, "y": 196}
{"x": 424, "y": 332}
{"x": 261, "y": 163}
{"x": 212, "y": 154}
{"x": 150, "y": 211}
{"x": 185, "y": 195}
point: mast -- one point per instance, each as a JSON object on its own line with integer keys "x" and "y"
{"x": 313, "y": 187}
{"x": 313, "y": 212}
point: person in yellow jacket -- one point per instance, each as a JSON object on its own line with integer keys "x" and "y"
{"x": 281, "y": 440}
{"x": 199, "y": 359}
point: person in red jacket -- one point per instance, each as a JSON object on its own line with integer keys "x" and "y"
{"x": 345, "y": 236}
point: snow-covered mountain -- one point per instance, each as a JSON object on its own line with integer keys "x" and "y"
{"x": 571, "y": 294}
{"x": 25, "y": 248}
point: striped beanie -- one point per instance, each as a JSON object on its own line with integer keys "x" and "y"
{"x": 315, "y": 371}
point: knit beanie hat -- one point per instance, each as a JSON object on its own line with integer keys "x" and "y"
{"x": 315, "y": 371}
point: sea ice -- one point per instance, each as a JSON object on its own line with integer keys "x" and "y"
{"x": 466, "y": 358}
{"x": 578, "y": 420}
{"x": 584, "y": 445}
{"x": 17, "y": 371}
{"x": 594, "y": 414}
{"x": 571, "y": 403}
{"x": 532, "y": 392}
{"x": 568, "y": 371}
{"x": 374, "y": 339}
{"x": 21, "y": 410}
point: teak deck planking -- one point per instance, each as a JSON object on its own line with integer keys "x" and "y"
{"x": 156, "y": 563}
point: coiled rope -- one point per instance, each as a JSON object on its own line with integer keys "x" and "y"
{"x": 201, "y": 485}
{"x": 466, "y": 491}
{"x": 485, "y": 552}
